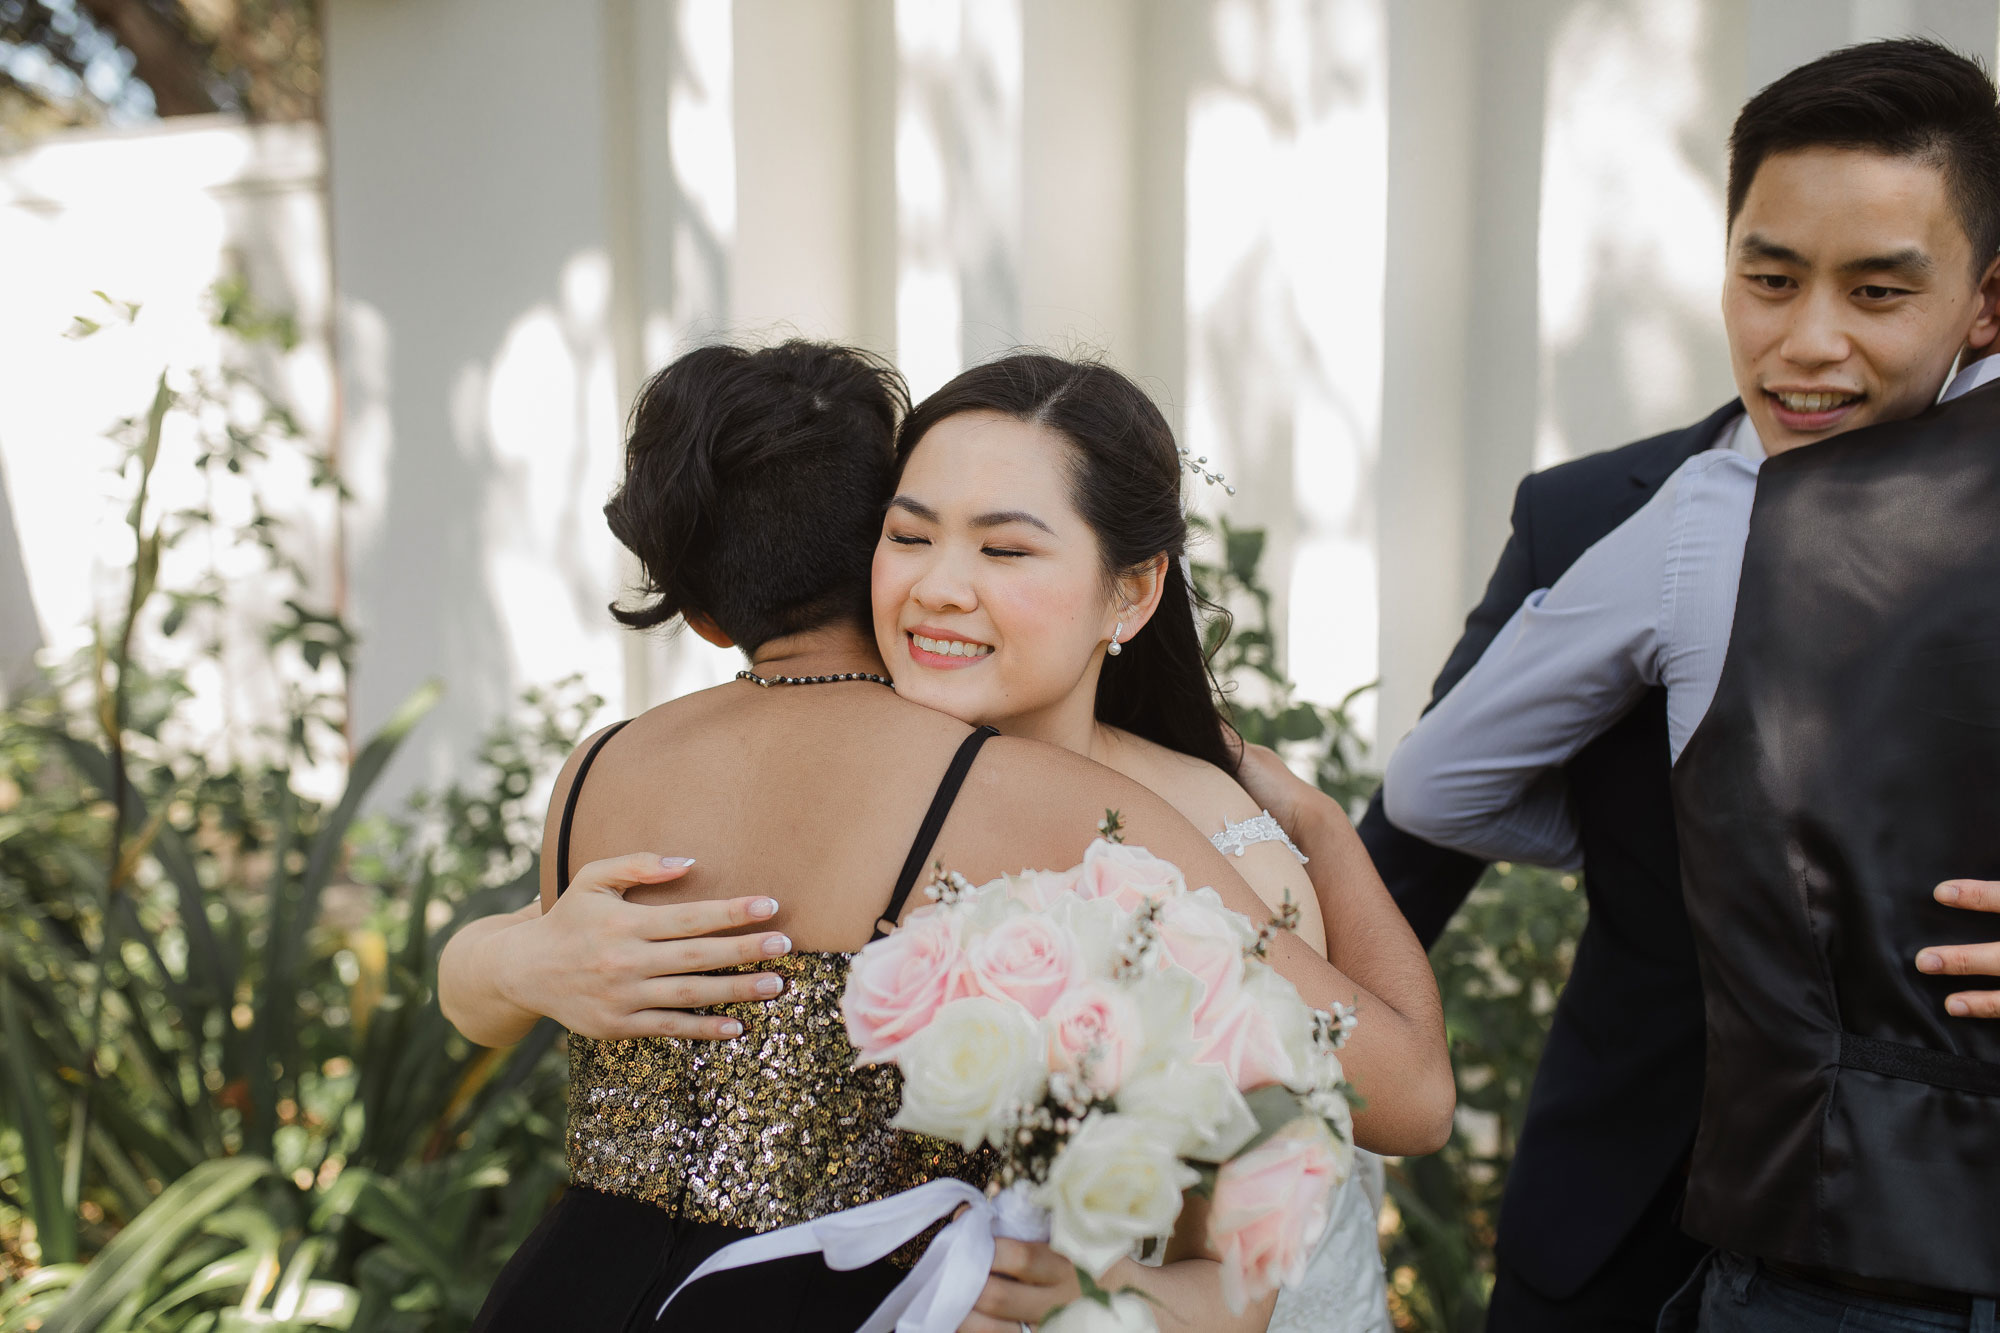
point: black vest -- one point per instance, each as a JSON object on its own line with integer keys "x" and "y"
{"x": 1850, "y": 763}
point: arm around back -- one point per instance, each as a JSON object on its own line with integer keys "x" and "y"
{"x": 599, "y": 965}
{"x": 1428, "y": 883}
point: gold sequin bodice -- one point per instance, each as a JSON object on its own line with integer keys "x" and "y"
{"x": 771, "y": 1128}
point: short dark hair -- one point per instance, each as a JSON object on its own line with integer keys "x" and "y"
{"x": 754, "y": 488}
{"x": 1906, "y": 97}
{"x": 1125, "y": 480}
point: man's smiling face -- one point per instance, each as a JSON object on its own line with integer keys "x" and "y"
{"x": 1851, "y": 289}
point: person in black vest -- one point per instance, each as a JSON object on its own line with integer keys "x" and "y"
{"x": 1847, "y": 1111}
{"x": 1588, "y": 1237}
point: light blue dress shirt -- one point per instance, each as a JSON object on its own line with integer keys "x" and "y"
{"x": 1650, "y": 604}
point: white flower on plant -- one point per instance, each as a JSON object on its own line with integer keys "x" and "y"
{"x": 967, "y": 1075}
{"x": 1116, "y": 1182}
{"x": 1196, "y": 1106}
{"x": 1127, "y": 1313}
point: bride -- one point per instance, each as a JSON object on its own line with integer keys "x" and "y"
{"x": 1029, "y": 578}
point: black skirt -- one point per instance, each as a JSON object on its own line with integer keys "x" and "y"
{"x": 600, "y": 1263}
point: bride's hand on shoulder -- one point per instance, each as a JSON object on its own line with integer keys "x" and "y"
{"x": 1273, "y": 786}
{"x": 604, "y": 967}
{"x": 1967, "y": 960}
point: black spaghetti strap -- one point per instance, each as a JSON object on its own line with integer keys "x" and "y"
{"x": 920, "y": 850}
{"x": 569, "y": 804}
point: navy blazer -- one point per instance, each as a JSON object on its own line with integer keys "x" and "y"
{"x": 1618, "y": 1092}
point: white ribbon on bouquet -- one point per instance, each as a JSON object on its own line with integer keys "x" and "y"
{"x": 941, "y": 1290}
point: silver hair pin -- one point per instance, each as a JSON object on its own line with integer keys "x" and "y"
{"x": 1199, "y": 466}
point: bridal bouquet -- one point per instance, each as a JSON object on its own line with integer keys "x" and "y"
{"x": 1117, "y": 1038}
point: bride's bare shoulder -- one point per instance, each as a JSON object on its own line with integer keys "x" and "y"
{"x": 1205, "y": 795}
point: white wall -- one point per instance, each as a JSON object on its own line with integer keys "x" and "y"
{"x": 154, "y": 217}
{"x": 1377, "y": 259}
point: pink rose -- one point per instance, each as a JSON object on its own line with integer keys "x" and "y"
{"x": 1095, "y": 1033}
{"x": 1028, "y": 959}
{"x": 1243, "y": 1037}
{"x": 1127, "y": 875}
{"x": 1270, "y": 1208}
{"x": 1205, "y": 938}
{"x": 896, "y": 986}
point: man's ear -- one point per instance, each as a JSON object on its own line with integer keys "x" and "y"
{"x": 1986, "y": 318}
{"x": 707, "y": 629}
{"x": 1138, "y": 594}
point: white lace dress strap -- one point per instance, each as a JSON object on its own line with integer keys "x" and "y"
{"x": 1237, "y": 838}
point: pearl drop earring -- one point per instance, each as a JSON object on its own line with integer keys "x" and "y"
{"x": 1116, "y": 647}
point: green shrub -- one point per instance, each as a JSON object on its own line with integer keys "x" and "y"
{"x": 233, "y": 1101}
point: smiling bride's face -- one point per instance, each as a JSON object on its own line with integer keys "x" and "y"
{"x": 991, "y": 600}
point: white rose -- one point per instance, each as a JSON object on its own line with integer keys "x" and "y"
{"x": 1167, "y": 996}
{"x": 977, "y": 1063}
{"x": 1291, "y": 1020}
{"x": 1127, "y": 1314}
{"x": 1099, "y": 927}
{"x": 1197, "y": 1107}
{"x": 1116, "y": 1182}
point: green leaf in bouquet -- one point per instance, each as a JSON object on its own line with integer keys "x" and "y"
{"x": 1275, "y": 1106}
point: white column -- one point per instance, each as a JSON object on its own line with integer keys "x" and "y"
{"x": 1286, "y": 195}
{"x": 1634, "y": 151}
{"x": 469, "y": 178}
{"x": 672, "y": 103}
{"x": 1783, "y": 34}
{"x": 1080, "y": 250}
{"x": 958, "y": 185}
{"x": 1420, "y": 498}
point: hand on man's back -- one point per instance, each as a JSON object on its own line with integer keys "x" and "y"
{"x": 1967, "y": 960}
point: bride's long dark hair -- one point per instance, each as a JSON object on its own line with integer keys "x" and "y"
{"x": 1126, "y": 482}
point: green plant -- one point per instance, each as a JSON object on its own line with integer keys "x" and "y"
{"x": 232, "y": 1101}
{"x": 1243, "y": 649}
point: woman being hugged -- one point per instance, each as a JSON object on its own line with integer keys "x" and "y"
{"x": 753, "y": 491}
{"x": 1030, "y": 577}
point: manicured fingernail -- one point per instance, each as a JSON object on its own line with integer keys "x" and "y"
{"x": 763, "y": 907}
{"x": 777, "y": 944}
{"x": 732, "y": 1028}
{"x": 1930, "y": 960}
{"x": 1947, "y": 893}
{"x": 677, "y": 862}
{"x": 1957, "y": 1008}
{"x": 769, "y": 986}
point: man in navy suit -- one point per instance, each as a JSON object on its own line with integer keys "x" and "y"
{"x": 1588, "y": 1234}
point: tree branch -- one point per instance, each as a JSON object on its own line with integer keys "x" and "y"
{"x": 163, "y": 58}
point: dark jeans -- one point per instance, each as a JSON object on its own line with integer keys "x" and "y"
{"x": 1731, "y": 1293}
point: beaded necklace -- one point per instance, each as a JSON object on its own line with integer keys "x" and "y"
{"x": 768, "y": 681}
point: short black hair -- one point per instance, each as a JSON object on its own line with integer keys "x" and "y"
{"x": 1906, "y": 97}
{"x": 755, "y": 483}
